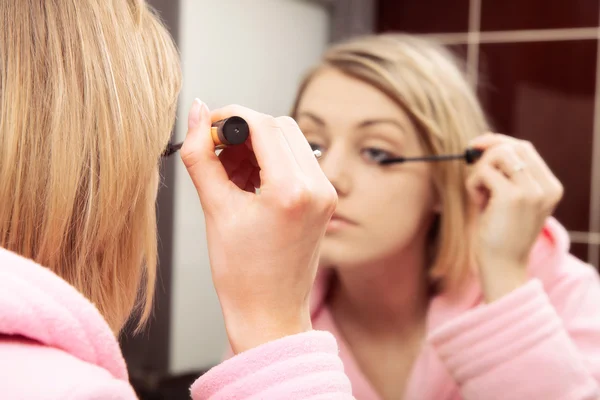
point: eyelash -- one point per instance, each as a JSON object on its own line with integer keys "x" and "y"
{"x": 377, "y": 155}
{"x": 374, "y": 154}
{"x": 315, "y": 146}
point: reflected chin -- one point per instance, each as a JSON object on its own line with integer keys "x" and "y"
{"x": 339, "y": 253}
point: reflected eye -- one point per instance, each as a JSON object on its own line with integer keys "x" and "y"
{"x": 315, "y": 146}
{"x": 376, "y": 155}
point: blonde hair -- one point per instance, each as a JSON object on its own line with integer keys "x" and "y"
{"x": 88, "y": 92}
{"x": 427, "y": 82}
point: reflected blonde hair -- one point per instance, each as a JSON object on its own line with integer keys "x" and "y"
{"x": 87, "y": 104}
{"x": 428, "y": 83}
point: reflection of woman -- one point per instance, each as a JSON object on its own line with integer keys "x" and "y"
{"x": 88, "y": 90}
{"x": 397, "y": 289}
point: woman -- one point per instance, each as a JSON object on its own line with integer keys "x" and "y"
{"x": 441, "y": 280}
{"x": 88, "y": 92}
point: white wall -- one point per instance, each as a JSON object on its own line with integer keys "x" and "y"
{"x": 248, "y": 52}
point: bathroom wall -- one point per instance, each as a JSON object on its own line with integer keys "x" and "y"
{"x": 536, "y": 66}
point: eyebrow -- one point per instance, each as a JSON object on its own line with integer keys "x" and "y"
{"x": 378, "y": 121}
{"x": 364, "y": 124}
{"x": 315, "y": 118}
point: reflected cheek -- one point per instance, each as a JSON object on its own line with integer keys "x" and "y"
{"x": 389, "y": 218}
{"x": 396, "y": 219}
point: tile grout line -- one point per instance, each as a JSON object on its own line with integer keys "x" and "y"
{"x": 594, "y": 223}
{"x": 539, "y": 35}
{"x": 473, "y": 42}
{"x": 591, "y": 238}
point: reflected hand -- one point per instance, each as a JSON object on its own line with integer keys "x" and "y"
{"x": 263, "y": 247}
{"x": 513, "y": 191}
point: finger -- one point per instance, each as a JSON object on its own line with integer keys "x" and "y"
{"x": 478, "y": 194}
{"x": 537, "y": 168}
{"x": 323, "y": 189}
{"x": 487, "y": 181}
{"x": 272, "y": 151}
{"x": 505, "y": 158}
{"x": 525, "y": 150}
{"x": 198, "y": 155}
{"x": 541, "y": 172}
{"x": 530, "y": 193}
{"x": 255, "y": 177}
{"x": 300, "y": 148}
{"x": 489, "y": 139}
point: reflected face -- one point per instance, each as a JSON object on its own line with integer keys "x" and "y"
{"x": 381, "y": 209}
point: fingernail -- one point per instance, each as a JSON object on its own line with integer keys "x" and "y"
{"x": 194, "y": 117}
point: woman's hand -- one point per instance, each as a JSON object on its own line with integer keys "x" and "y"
{"x": 513, "y": 191}
{"x": 263, "y": 247}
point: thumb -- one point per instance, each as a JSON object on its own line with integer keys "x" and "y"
{"x": 198, "y": 156}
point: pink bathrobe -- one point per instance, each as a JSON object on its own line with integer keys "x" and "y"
{"x": 540, "y": 342}
{"x": 55, "y": 345}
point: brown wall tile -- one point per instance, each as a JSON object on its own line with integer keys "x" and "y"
{"x": 422, "y": 16}
{"x": 544, "y": 92}
{"x": 499, "y": 15}
{"x": 580, "y": 250}
{"x": 594, "y": 261}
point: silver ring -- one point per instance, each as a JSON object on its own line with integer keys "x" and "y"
{"x": 518, "y": 168}
{"x": 317, "y": 154}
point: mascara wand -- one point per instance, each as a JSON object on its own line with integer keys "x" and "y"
{"x": 470, "y": 156}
